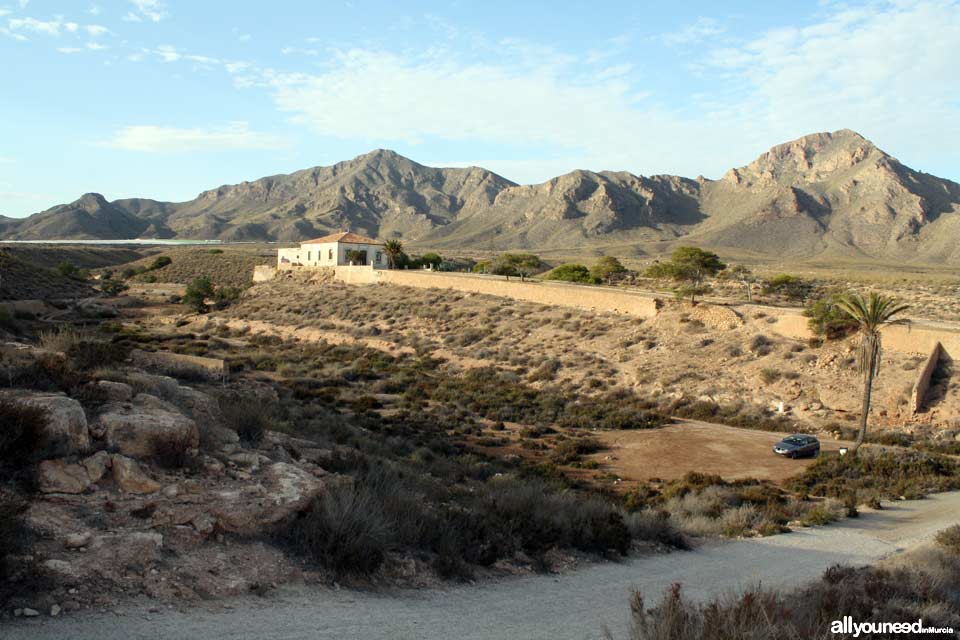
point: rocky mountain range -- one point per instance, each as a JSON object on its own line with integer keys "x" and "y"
{"x": 825, "y": 194}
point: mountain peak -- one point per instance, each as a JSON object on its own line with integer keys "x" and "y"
{"x": 811, "y": 158}
{"x": 90, "y": 201}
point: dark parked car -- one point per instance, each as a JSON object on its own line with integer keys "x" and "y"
{"x": 797, "y": 446}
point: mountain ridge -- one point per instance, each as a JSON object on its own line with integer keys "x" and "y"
{"x": 821, "y": 194}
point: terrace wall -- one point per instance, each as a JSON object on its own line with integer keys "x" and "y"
{"x": 917, "y": 337}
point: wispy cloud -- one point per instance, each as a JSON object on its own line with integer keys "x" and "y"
{"x": 45, "y": 27}
{"x": 235, "y": 136}
{"x": 832, "y": 74}
{"x": 18, "y": 27}
{"x": 697, "y": 31}
{"x": 147, "y": 10}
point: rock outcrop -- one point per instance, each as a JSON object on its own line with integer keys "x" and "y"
{"x": 133, "y": 428}
{"x": 66, "y": 431}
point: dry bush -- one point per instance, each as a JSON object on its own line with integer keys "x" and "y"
{"x": 22, "y": 428}
{"x": 251, "y": 418}
{"x": 173, "y": 451}
{"x": 344, "y": 530}
{"x": 949, "y": 539}
{"x": 925, "y": 588}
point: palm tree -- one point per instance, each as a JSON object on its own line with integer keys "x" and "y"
{"x": 871, "y": 315}
{"x": 393, "y": 249}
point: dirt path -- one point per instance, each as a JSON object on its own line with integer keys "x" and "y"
{"x": 571, "y": 606}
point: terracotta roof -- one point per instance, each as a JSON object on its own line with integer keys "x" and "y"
{"x": 343, "y": 236}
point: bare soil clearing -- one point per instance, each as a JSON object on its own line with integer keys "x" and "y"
{"x": 569, "y": 606}
{"x": 671, "y": 452}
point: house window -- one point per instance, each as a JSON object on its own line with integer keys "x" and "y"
{"x": 329, "y": 254}
{"x": 308, "y": 256}
{"x": 378, "y": 257}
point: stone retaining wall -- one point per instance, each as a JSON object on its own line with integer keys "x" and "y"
{"x": 917, "y": 337}
{"x": 922, "y": 385}
{"x": 552, "y": 293}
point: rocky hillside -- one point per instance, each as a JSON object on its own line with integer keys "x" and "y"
{"x": 829, "y": 194}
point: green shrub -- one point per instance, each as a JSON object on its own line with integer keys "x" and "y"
{"x": 571, "y": 273}
{"x": 887, "y": 473}
{"x": 607, "y": 268}
{"x": 867, "y": 594}
{"x": 344, "y": 530}
{"x": 160, "y": 262}
{"x": 569, "y": 451}
{"x": 827, "y": 320}
{"x": 818, "y": 515}
{"x": 197, "y": 293}
{"x": 791, "y": 287}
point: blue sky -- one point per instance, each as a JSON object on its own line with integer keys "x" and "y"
{"x": 165, "y": 98}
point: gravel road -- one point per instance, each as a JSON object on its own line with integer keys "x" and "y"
{"x": 575, "y": 605}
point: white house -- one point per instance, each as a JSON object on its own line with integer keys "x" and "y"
{"x": 338, "y": 249}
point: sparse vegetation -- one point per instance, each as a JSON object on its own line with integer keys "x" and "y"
{"x": 690, "y": 266}
{"x": 949, "y": 539}
{"x": 249, "y": 417}
{"x": 790, "y": 287}
{"x": 887, "y": 474}
{"x": 923, "y": 589}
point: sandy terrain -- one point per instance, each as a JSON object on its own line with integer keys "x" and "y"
{"x": 672, "y": 451}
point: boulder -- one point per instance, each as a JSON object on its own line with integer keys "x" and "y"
{"x": 114, "y": 391}
{"x": 66, "y": 431}
{"x": 134, "y": 427}
{"x": 130, "y": 478}
{"x": 77, "y": 540}
{"x": 58, "y": 476}
{"x": 203, "y": 409}
{"x": 96, "y": 465}
{"x": 282, "y": 490}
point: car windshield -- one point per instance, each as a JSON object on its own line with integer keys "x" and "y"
{"x": 795, "y": 440}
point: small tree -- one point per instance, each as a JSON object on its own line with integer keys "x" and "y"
{"x": 607, "y": 268}
{"x": 743, "y": 275}
{"x": 484, "y": 266}
{"x": 432, "y": 260}
{"x": 827, "y": 319}
{"x": 395, "y": 254}
{"x": 571, "y": 273}
{"x": 791, "y": 287}
{"x": 516, "y": 264}
{"x": 197, "y": 293}
{"x": 871, "y": 315}
{"x": 691, "y": 266}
